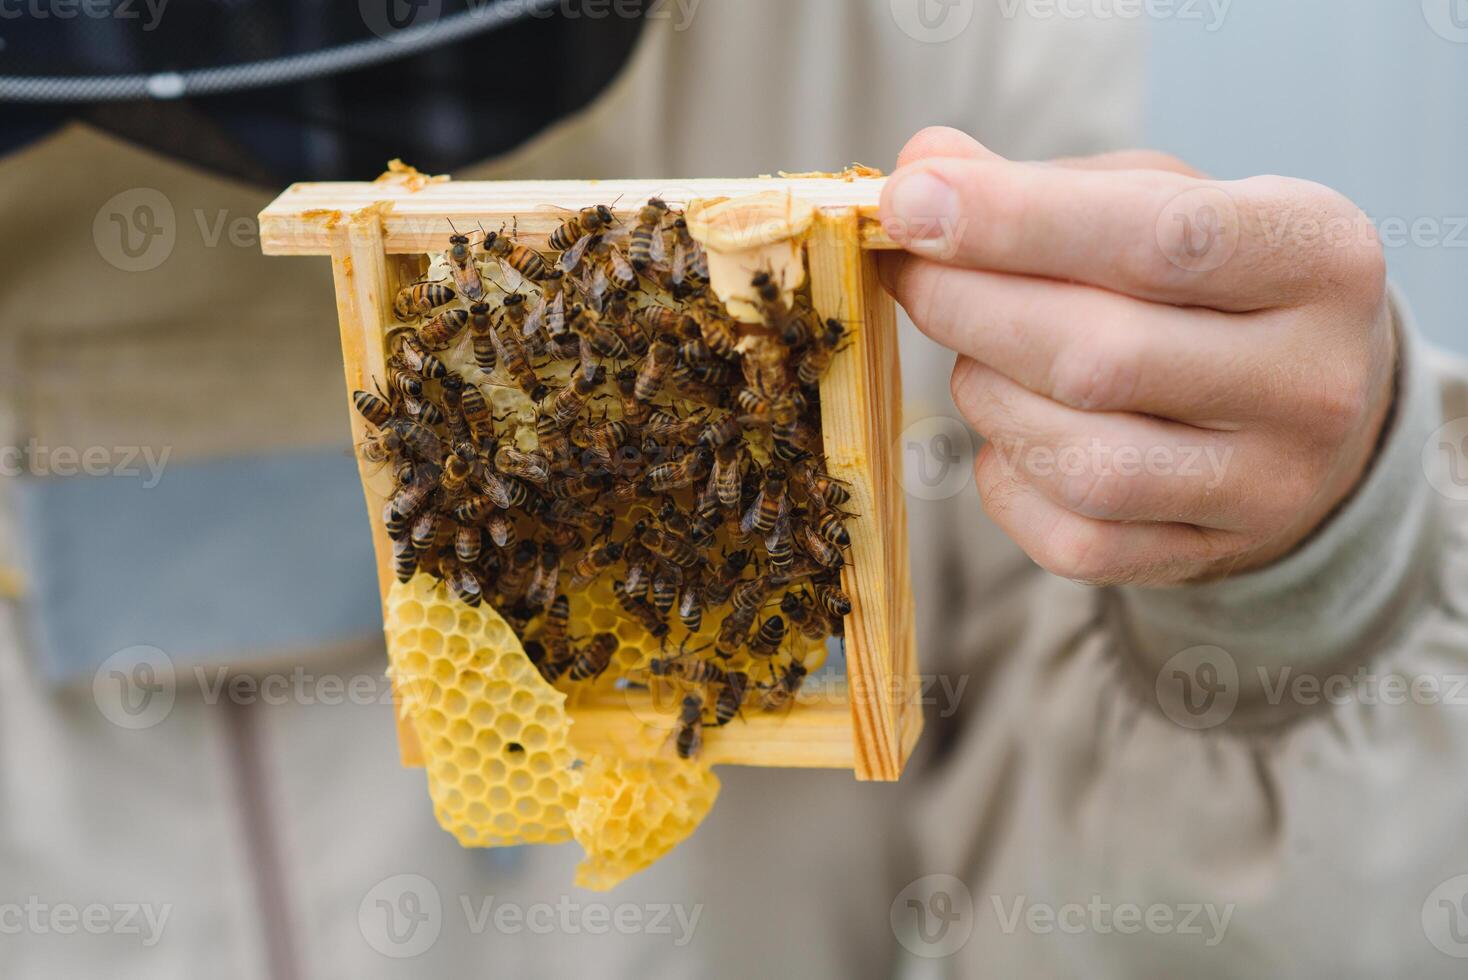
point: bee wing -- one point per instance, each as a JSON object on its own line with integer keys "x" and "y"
{"x": 746, "y": 523}
{"x": 571, "y": 257}
{"x": 658, "y": 247}
{"x": 534, "y": 320}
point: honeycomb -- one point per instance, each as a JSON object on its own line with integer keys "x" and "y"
{"x": 632, "y": 812}
{"x": 496, "y": 738}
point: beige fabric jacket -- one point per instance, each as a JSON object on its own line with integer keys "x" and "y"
{"x": 1078, "y": 809}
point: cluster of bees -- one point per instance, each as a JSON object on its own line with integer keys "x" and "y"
{"x": 551, "y": 419}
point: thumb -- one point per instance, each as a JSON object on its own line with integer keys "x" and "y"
{"x": 943, "y": 141}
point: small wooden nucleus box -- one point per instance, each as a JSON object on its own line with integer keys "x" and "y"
{"x": 377, "y": 235}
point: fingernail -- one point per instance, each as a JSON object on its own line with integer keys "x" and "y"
{"x": 923, "y": 208}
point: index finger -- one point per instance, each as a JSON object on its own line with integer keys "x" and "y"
{"x": 1164, "y": 237}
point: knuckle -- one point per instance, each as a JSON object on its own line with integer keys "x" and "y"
{"x": 1088, "y": 491}
{"x": 1079, "y": 551}
{"x": 1094, "y": 371}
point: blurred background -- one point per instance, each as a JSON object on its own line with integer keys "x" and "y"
{"x": 1351, "y": 93}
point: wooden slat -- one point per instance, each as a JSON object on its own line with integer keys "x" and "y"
{"x": 855, "y": 431}
{"x": 812, "y": 735}
{"x": 302, "y": 220}
{"x": 365, "y": 282}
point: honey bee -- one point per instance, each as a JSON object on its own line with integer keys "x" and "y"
{"x": 382, "y": 447}
{"x": 690, "y": 264}
{"x": 403, "y": 342}
{"x": 820, "y": 486}
{"x": 663, "y": 320}
{"x": 633, "y": 337}
{"x": 793, "y": 436}
{"x": 733, "y": 631}
{"x": 401, "y": 379}
{"x": 665, "y": 582}
{"x": 425, "y": 529}
{"x": 721, "y": 584}
{"x": 617, "y": 266}
{"x": 780, "y": 548}
{"x": 419, "y": 298}
{"x": 501, "y": 529}
{"x": 719, "y": 332}
{"x": 462, "y": 580}
{"x": 691, "y": 604}
{"x": 800, "y": 609}
{"x": 468, "y": 543}
{"x": 404, "y": 559}
{"x": 640, "y": 609}
{"x": 545, "y": 581}
{"x": 730, "y": 697}
{"x": 512, "y": 354}
{"x": 594, "y": 562}
{"x": 678, "y": 473}
{"x": 783, "y": 688}
{"x": 423, "y": 411}
{"x": 373, "y": 408}
{"x": 507, "y": 491}
{"x": 580, "y": 485}
{"x": 482, "y": 337}
{"x": 812, "y": 543}
{"x": 660, "y": 358}
{"x": 691, "y": 671}
{"x": 646, "y": 245}
{"x": 687, "y": 383}
{"x": 813, "y": 363}
{"x": 767, "y": 639}
{"x": 829, "y": 525}
{"x": 532, "y": 466}
{"x": 638, "y": 558}
{"x": 409, "y": 500}
{"x": 571, "y": 400}
{"x": 581, "y": 226}
{"x": 512, "y": 255}
{"x": 516, "y": 576}
{"x": 464, "y": 269}
{"x": 458, "y": 466}
{"x": 769, "y": 505}
{"x": 834, "y": 601}
{"x": 551, "y": 668}
{"x": 595, "y": 335}
{"x": 418, "y": 438}
{"x": 550, "y": 310}
{"x": 688, "y": 735}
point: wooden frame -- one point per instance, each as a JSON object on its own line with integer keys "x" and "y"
{"x": 376, "y": 235}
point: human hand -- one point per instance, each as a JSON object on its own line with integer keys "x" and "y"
{"x": 1177, "y": 378}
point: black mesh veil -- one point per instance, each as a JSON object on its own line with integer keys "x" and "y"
{"x": 277, "y": 90}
